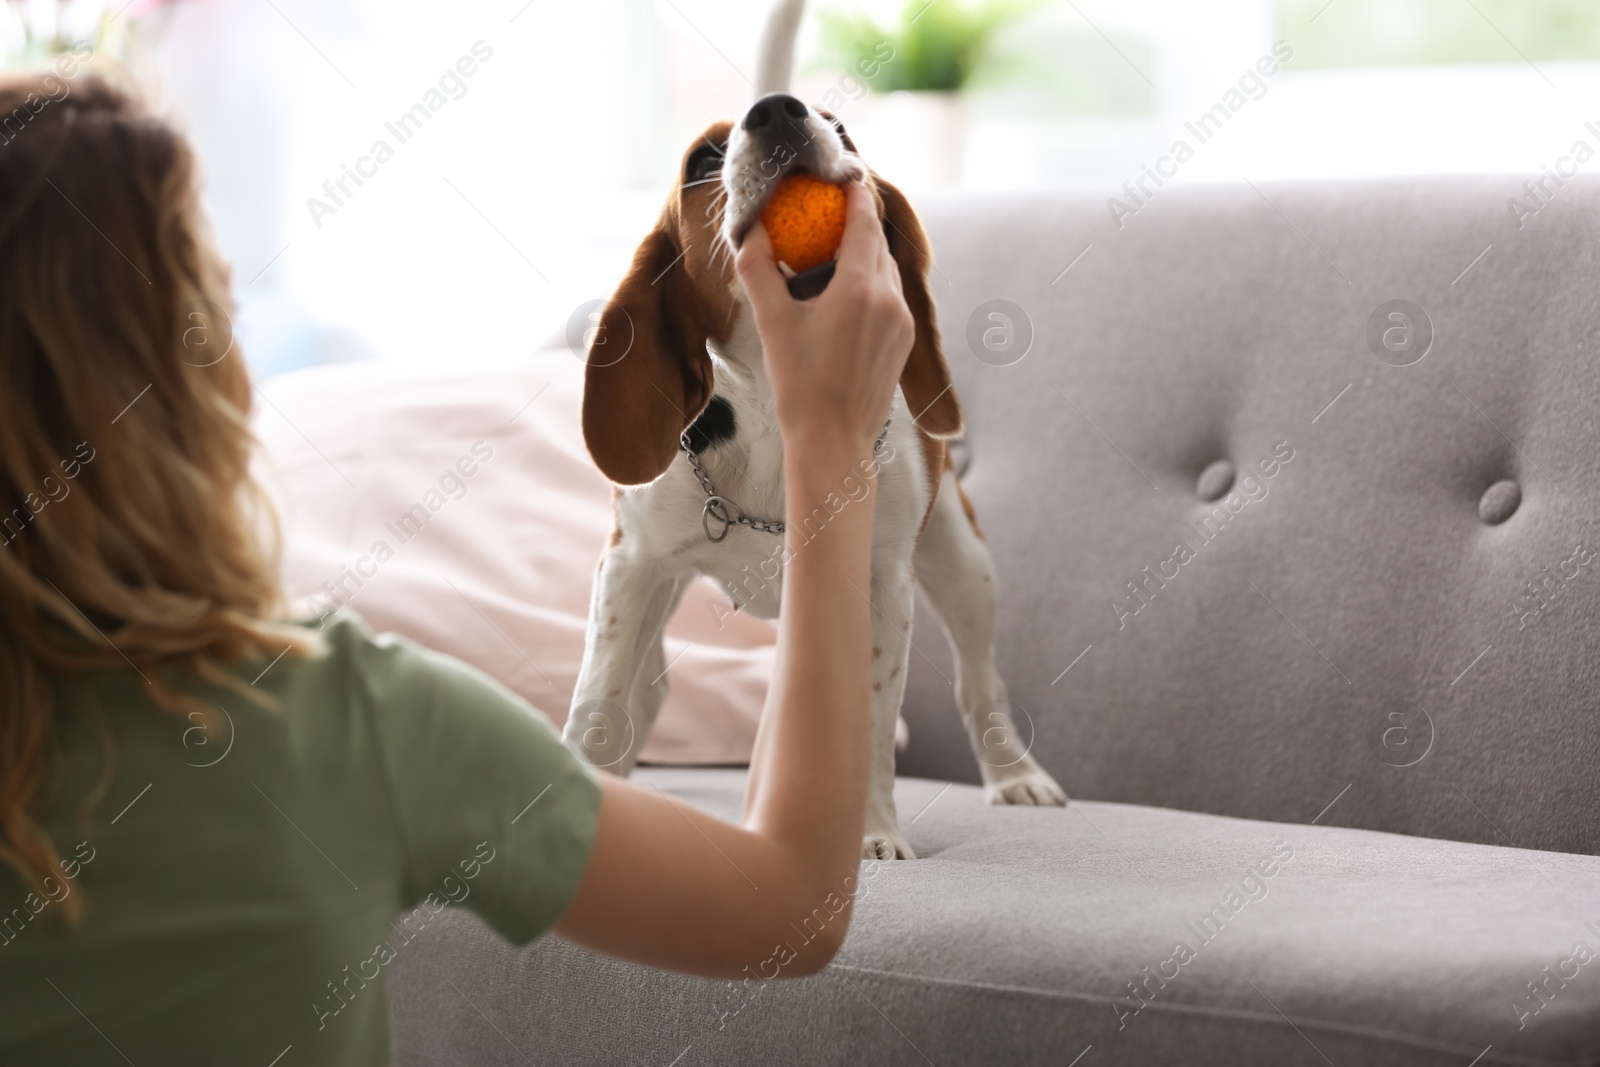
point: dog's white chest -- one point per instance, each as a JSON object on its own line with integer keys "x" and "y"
{"x": 750, "y": 570}
{"x": 668, "y": 521}
{"x": 764, "y": 606}
{"x": 748, "y": 561}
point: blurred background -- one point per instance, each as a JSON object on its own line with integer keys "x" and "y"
{"x": 528, "y": 144}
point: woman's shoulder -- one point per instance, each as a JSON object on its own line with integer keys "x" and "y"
{"x": 384, "y": 663}
{"x": 393, "y": 677}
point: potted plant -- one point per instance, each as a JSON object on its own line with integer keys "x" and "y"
{"x": 915, "y": 72}
{"x": 39, "y": 33}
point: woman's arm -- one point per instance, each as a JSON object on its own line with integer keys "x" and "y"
{"x": 672, "y": 886}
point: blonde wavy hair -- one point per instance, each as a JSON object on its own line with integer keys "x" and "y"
{"x": 131, "y": 531}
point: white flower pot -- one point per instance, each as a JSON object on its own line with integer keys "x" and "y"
{"x": 913, "y": 139}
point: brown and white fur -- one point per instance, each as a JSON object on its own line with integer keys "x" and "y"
{"x": 682, "y": 319}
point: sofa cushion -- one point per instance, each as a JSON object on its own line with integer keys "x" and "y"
{"x": 1034, "y": 936}
{"x": 1374, "y": 607}
{"x": 494, "y": 567}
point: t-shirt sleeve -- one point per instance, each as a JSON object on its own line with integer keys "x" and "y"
{"x": 493, "y": 811}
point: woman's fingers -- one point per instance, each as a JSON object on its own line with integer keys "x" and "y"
{"x": 762, "y": 279}
{"x": 863, "y": 234}
{"x": 833, "y": 361}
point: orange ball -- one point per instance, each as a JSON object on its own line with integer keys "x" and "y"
{"x": 805, "y": 218}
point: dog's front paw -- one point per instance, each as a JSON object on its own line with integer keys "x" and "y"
{"x": 1034, "y": 788}
{"x": 886, "y": 847}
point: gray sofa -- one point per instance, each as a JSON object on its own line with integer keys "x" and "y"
{"x": 1335, "y": 767}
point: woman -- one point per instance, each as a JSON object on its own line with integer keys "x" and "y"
{"x": 219, "y": 827}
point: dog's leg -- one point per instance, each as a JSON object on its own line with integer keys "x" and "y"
{"x": 630, "y": 600}
{"x": 956, "y": 571}
{"x": 893, "y": 599}
{"x": 650, "y": 684}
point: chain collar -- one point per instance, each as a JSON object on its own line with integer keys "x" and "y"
{"x": 721, "y": 514}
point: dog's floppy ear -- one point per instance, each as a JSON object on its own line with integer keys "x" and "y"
{"x": 648, "y": 375}
{"x": 926, "y": 379}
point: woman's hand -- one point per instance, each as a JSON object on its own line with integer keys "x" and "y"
{"x": 833, "y": 360}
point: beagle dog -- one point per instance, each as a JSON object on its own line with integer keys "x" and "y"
{"x": 678, "y": 414}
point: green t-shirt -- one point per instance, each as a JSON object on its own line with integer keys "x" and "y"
{"x": 246, "y": 890}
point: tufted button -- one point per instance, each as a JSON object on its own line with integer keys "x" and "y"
{"x": 1499, "y": 502}
{"x": 1215, "y": 480}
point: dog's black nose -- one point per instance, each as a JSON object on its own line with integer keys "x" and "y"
{"x": 771, "y": 108}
